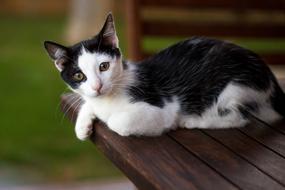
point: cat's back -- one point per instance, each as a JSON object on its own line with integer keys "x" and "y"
{"x": 202, "y": 52}
{"x": 205, "y": 60}
{"x": 197, "y": 70}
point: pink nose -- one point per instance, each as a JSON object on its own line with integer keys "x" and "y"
{"x": 97, "y": 87}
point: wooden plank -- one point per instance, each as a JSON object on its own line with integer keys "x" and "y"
{"x": 267, "y": 136}
{"x": 217, "y": 4}
{"x": 236, "y": 169}
{"x": 171, "y": 28}
{"x": 257, "y": 154}
{"x": 154, "y": 163}
{"x": 279, "y": 126}
{"x": 134, "y": 37}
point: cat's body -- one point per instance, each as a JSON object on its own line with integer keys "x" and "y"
{"x": 197, "y": 83}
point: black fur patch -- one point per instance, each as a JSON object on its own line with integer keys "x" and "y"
{"x": 251, "y": 106}
{"x": 196, "y": 71}
{"x": 223, "y": 112}
{"x": 248, "y": 109}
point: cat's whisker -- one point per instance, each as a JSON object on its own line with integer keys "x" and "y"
{"x": 75, "y": 109}
{"x": 124, "y": 86}
{"x": 68, "y": 95}
{"x": 69, "y": 101}
{"x": 74, "y": 102}
{"x": 59, "y": 103}
{"x": 122, "y": 77}
{"x": 66, "y": 111}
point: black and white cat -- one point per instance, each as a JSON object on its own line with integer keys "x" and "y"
{"x": 196, "y": 83}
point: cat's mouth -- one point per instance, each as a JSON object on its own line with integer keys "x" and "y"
{"x": 100, "y": 93}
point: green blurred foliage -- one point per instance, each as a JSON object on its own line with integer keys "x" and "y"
{"x": 37, "y": 144}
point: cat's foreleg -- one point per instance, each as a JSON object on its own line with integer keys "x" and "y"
{"x": 143, "y": 120}
{"x": 121, "y": 123}
{"x": 83, "y": 127}
{"x": 127, "y": 123}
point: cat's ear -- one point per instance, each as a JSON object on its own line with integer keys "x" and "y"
{"x": 57, "y": 53}
{"x": 108, "y": 32}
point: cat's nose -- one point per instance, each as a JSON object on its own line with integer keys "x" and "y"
{"x": 97, "y": 87}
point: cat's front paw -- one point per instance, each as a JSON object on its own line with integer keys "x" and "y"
{"x": 83, "y": 129}
{"x": 120, "y": 123}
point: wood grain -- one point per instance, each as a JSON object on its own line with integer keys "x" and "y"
{"x": 157, "y": 163}
{"x": 258, "y": 155}
{"x": 239, "y": 171}
{"x": 266, "y": 136}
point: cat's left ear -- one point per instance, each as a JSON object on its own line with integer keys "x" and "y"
{"x": 57, "y": 52}
{"x": 108, "y": 32}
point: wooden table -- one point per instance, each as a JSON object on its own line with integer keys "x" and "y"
{"x": 246, "y": 158}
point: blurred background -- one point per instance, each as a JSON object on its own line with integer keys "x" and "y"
{"x": 37, "y": 144}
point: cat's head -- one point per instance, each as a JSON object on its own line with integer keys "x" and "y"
{"x": 90, "y": 67}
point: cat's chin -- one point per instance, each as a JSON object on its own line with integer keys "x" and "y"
{"x": 90, "y": 94}
{"x": 95, "y": 95}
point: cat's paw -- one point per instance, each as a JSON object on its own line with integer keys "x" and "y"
{"x": 83, "y": 129}
{"x": 120, "y": 123}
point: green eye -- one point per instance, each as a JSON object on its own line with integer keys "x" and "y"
{"x": 78, "y": 76}
{"x": 104, "y": 66}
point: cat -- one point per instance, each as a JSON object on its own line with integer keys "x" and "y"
{"x": 196, "y": 83}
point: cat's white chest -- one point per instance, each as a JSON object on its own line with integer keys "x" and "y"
{"x": 103, "y": 108}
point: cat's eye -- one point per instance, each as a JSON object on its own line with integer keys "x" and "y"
{"x": 104, "y": 66}
{"x": 78, "y": 76}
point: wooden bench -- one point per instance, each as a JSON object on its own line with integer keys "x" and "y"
{"x": 252, "y": 157}
{"x": 233, "y": 19}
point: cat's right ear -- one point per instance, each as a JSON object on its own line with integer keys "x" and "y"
{"x": 57, "y": 53}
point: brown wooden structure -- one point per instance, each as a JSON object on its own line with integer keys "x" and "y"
{"x": 139, "y": 27}
{"x": 252, "y": 157}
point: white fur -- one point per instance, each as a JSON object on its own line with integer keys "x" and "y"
{"x": 127, "y": 118}
{"x": 232, "y": 96}
{"x": 139, "y": 118}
